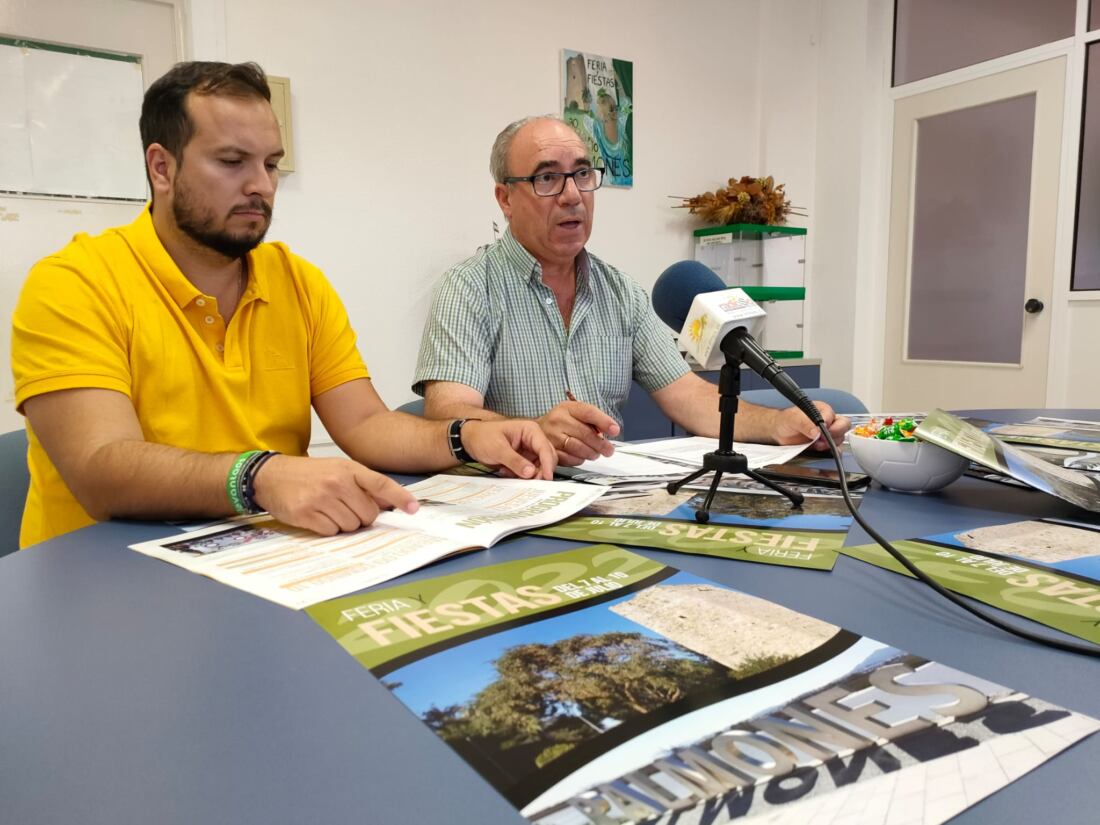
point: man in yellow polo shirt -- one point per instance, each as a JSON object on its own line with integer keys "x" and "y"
{"x": 167, "y": 368}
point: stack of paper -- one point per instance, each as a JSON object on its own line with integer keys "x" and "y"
{"x": 635, "y": 469}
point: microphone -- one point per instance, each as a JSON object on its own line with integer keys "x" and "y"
{"x": 715, "y": 321}
{"x": 691, "y": 299}
{"x": 676, "y": 288}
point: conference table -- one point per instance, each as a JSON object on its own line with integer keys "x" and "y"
{"x": 132, "y": 691}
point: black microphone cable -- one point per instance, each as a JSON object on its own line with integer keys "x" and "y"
{"x": 920, "y": 575}
{"x": 745, "y": 347}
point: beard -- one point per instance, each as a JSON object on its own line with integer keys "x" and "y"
{"x": 200, "y": 225}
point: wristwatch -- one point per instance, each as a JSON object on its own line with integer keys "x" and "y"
{"x": 454, "y": 440}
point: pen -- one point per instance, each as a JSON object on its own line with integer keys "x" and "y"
{"x": 570, "y": 397}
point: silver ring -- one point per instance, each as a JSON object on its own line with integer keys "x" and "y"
{"x": 565, "y": 444}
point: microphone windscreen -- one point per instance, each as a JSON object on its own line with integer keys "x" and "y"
{"x": 677, "y": 287}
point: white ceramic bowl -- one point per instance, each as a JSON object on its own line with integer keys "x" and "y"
{"x": 907, "y": 466}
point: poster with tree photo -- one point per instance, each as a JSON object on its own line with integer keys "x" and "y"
{"x": 597, "y": 686}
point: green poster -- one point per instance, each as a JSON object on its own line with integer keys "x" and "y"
{"x": 385, "y": 625}
{"x": 813, "y": 549}
{"x": 597, "y": 686}
{"x": 1062, "y": 602}
{"x": 598, "y": 102}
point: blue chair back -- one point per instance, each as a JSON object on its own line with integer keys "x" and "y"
{"x": 414, "y": 407}
{"x": 15, "y": 480}
{"x": 839, "y": 400}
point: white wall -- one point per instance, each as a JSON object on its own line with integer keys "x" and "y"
{"x": 837, "y": 190}
{"x": 395, "y": 106}
{"x": 396, "y": 103}
{"x": 822, "y": 97}
{"x": 1082, "y": 387}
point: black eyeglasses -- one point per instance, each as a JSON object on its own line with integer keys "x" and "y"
{"x": 548, "y": 184}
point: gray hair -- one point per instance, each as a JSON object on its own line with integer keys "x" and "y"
{"x": 498, "y": 157}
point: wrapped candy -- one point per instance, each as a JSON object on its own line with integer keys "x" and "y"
{"x": 888, "y": 430}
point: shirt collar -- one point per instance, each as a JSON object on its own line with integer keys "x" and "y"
{"x": 528, "y": 266}
{"x": 143, "y": 237}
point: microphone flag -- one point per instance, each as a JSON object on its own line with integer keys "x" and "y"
{"x": 712, "y": 316}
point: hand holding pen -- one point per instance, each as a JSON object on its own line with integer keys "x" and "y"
{"x": 578, "y": 431}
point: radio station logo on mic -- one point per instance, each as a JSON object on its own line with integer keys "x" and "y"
{"x": 697, "y": 328}
{"x": 735, "y": 302}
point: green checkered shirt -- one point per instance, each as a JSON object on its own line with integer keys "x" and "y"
{"x": 495, "y": 327}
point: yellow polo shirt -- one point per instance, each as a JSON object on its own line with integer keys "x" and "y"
{"x": 114, "y": 312}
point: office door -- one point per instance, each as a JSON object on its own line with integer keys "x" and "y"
{"x": 972, "y": 233}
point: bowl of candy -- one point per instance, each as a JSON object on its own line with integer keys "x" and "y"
{"x": 890, "y": 454}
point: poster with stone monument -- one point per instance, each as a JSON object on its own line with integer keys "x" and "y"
{"x": 596, "y": 686}
{"x": 598, "y": 101}
{"x": 1046, "y": 570}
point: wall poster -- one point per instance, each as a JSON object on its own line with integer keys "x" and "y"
{"x": 598, "y": 101}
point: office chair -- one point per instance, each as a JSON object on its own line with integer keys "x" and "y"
{"x": 15, "y": 479}
{"x": 840, "y": 400}
{"x": 414, "y": 407}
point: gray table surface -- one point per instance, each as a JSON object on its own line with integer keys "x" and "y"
{"x": 132, "y": 691}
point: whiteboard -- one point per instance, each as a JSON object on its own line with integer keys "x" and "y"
{"x": 69, "y": 122}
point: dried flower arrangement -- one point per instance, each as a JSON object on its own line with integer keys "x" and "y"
{"x": 748, "y": 200}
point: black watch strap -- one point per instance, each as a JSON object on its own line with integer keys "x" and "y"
{"x": 454, "y": 440}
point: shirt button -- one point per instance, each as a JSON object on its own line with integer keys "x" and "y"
{"x": 209, "y": 319}
{"x": 200, "y": 302}
{"x": 219, "y": 347}
{"x": 549, "y": 301}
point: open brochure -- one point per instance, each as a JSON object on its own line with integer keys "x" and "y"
{"x": 297, "y": 568}
{"x": 952, "y": 433}
{"x": 600, "y": 686}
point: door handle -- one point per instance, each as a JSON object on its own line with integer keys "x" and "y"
{"x": 1033, "y": 305}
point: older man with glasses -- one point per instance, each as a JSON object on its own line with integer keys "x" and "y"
{"x": 535, "y": 326}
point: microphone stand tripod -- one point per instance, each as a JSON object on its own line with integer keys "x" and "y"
{"x": 724, "y": 459}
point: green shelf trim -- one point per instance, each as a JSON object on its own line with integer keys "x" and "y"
{"x": 750, "y": 229}
{"x": 24, "y": 43}
{"x": 785, "y": 353}
{"x": 776, "y": 293}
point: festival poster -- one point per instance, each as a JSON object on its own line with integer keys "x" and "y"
{"x": 954, "y": 434}
{"x": 598, "y": 101}
{"x": 1057, "y": 598}
{"x": 598, "y": 686}
{"x": 1055, "y": 544}
{"x": 741, "y": 501}
{"x": 1043, "y": 431}
{"x": 788, "y": 547}
{"x": 737, "y": 501}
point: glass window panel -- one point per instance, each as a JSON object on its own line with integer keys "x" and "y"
{"x": 1086, "y": 253}
{"x": 972, "y": 190}
{"x": 1094, "y": 15}
{"x": 936, "y": 36}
